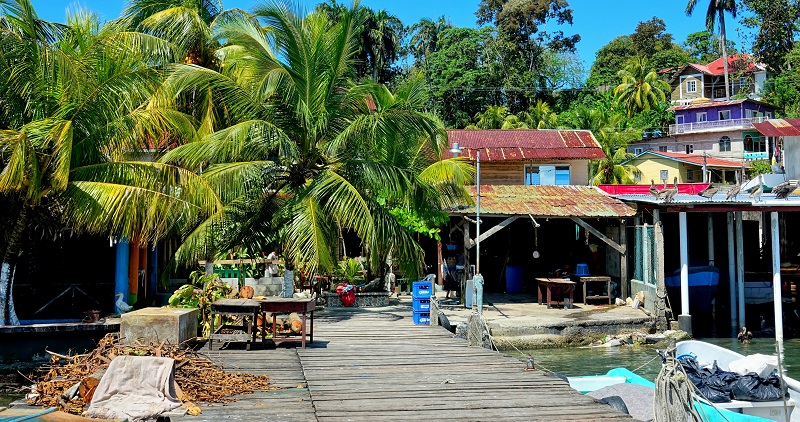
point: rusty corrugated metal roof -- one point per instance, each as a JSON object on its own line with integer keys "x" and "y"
{"x": 779, "y": 127}
{"x": 526, "y": 144}
{"x": 546, "y": 201}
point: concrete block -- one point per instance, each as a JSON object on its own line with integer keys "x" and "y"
{"x": 173, "y": 325}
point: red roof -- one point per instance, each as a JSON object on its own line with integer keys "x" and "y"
{"x": 546, "y": 201}
{"x": 736, "y": 61}
{"x": 779, "y": 127}
{"x": 525, "y": 144}
{"x": 705, "y": 104}
{"x": 696, "y": 159}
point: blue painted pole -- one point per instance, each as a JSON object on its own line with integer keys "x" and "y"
{"x": 121, "y": 271}
{"x": 153, "y": 285}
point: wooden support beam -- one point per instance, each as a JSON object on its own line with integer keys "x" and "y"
{"x": 619, "y": 248}
{"x": 623, "y": 258}
{"x": 495, "y": 229}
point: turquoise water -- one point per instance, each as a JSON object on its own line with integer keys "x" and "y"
{"x": 644, "y": 360}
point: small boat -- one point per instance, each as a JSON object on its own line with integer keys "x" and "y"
{"x": 703, "y": 283}
{"x": 707, "y": 353}
{"x": 617, "y": 376}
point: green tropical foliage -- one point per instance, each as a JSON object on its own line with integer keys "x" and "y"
{"x": 716, "y": 14}
{"x": 316, "y": 169}
{"x": 641, "y": 89}
{"x": 75, "y": 108}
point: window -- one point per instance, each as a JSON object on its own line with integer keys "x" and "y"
{"x": 662, "y": 148}
{"x": 547, "y": 175}
{"x": 664, "y": 174}
{"x": 742, "y": 82}
{"x": 689, "y": 175}
{"x": 724, "y": 144}
{"x": 689, "y": 148}
{"x": 748, "y": 143}
{"x": 637, "y": 151}
{"x": 724, "y": 114}
{"x": 702, "y": 117}
{"x": 691, "y": 86}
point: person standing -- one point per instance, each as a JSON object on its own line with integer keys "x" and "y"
{"x": 272, "y": 268}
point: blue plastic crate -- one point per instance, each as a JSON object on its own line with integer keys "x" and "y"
{"x": 421, "y": 305}
{"x": 422, "y": 318}
{"x": 422, "y": 289}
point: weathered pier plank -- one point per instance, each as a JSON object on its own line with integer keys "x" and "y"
{"x": 378, "y": 366}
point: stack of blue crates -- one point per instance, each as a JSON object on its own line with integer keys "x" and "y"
{"x": 421, "y": 296}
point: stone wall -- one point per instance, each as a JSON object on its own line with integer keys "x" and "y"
{"x": 265, "y": 286}
{"x": 363, "y": 300}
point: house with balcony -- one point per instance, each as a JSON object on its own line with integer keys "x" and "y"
{"x": 721, "y": 129}
{"x": 696, "y": 81}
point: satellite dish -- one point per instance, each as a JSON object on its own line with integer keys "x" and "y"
{"x": 535, "y": 254}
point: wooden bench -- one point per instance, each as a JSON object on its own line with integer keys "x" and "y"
{"x": 363, "y": 300}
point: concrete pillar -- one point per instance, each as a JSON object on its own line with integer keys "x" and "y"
{"x": 740, "y": 266}
{"x": 776, "y": 283}
{"x": 684, "y": 319}
{"x": 710, "y": 217}
{"x": 121, "y": 271}
{"x": 656, "y": 216}
{"x": 732, "y": 273}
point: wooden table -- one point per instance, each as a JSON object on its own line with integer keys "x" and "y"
{"x": 561, "y": 286}
{"x": 287, "y": 305}
{"x": 595, "y": 279}
{"x": 243, "y": 308}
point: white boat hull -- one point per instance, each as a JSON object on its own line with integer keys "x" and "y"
{"x": 707, "y": 353}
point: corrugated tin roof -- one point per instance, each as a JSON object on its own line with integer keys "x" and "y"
{"x": 546, "y": 201}
{"x": 779, "y": 127}
{"x": 693, "y": 159}
{"x": 715, "y": 103}
{"x": 766, "y": 200}
{"x": 525, "y": 144}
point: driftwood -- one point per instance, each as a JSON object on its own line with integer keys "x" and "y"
{"x": 198, "y": 378}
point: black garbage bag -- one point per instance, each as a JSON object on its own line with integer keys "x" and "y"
{"x": 721, "y": 379}
{"x": 693, "y": 370}
{"x": 751, "y": 387}
{"x": 714, "y": 393}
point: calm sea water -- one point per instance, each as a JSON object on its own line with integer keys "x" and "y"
{"x": 644, "y": 360}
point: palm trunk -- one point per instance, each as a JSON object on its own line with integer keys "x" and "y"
{"x": 8, "y": 268}
{"x": 722, "y": 41}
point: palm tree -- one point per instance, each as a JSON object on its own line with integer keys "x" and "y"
{"x": 716, "y": 11}
{"x": 540, "y": 116}
{"x": 425, "y": 38}
{"x": 383, "y": 31}
{"x": 75, "y": 104}
{"x": 641, "y": 89}
{"x": 491, "y": 118}
{"x": 316, "y": 152}
{"x": 614, "y": 169}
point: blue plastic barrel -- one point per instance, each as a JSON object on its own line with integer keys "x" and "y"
{"x": 514, "y": 277}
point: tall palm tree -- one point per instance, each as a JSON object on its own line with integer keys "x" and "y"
{"x": 716, "y": 11}
{"x": 540, "y": 116}
{"x": 384, "y": 32}
{"x": 613, "y": 169}
{"x": 425, "y": 38}
{"x": 641, "y": 88}
{"x": 316, "y": 152}
{"x": 75, "y": 104}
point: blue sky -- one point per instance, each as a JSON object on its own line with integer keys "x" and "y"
{"x": 595, "y": 20}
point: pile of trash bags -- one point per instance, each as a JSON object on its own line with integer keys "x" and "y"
{"x": 720, "y": 386}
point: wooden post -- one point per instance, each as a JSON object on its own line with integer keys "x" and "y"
{"x": 740, "y": 266}
{"x": 439, "y": 275}
{"x": 661, "y": 291}
{"x": 732, "y": 273}
{"x": 710, "y": 219}
{"x": 466, "y": 262}
{"x": 623, "y": 258}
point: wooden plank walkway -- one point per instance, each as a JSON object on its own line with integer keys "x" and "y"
{"x": 378, "y": 366}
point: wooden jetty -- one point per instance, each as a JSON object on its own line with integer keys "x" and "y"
{"x": 378, "y": 366}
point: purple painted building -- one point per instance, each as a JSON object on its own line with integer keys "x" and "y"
{"x": 722, "y": 129}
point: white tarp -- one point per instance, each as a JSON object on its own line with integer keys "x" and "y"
{"x": 763, "y": 365}
{"x": 135, "y": 387}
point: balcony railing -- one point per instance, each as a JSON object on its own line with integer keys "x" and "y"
{"x": 714, "y": 125}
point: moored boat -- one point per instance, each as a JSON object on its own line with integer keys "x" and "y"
{"x": 703, "y": 282}
{"x": 707, "y": 353}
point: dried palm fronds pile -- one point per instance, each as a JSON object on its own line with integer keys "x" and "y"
{"x": 198, "y": 378}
